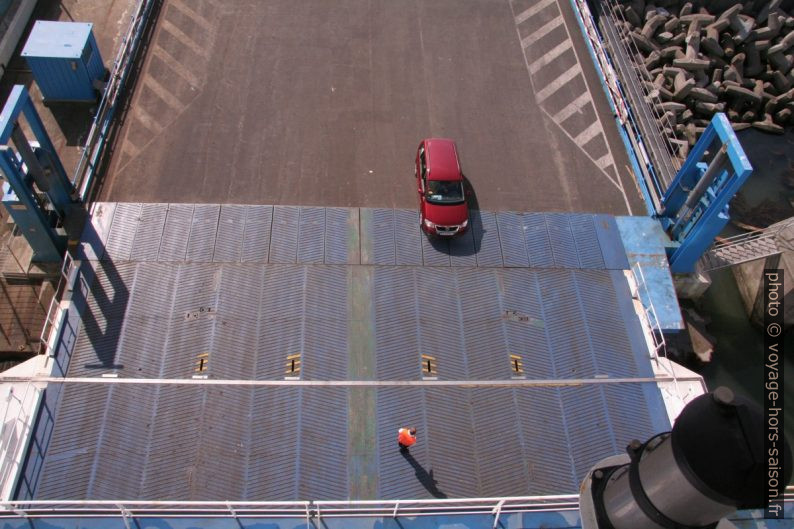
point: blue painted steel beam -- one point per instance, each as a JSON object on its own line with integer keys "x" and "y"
{"x": 24, "y": 208}
{"x": 23, "y": 204}
{"x": 19, "y": 102}
{"x": 696, "y": 227}
{"x": 13, "y": 108}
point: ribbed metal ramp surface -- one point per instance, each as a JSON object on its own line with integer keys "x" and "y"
{"x": 213, "y": 233}
{"x": 353, "y": 294}
{"x": 739, "y": 252}
{"x": 750, "y": 246}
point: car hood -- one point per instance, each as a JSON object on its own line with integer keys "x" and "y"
{"x": 447, "y": 214}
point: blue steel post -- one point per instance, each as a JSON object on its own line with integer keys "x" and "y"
{"x": 46, "y": 245}
{"x": 14, "y": 104}
{"x": 26, "y": 211}
{"x": 40, "y": 133}
{"x": 687, "y": 177}
{"x": 19, "y": 102}
{"x": 711, "y": 214}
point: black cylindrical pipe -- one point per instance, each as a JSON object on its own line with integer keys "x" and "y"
{"x": 711, "y": 464}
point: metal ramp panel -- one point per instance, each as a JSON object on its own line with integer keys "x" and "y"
{"x": 750, "y": 246}
{"x": 231, "y": 225}
{"x": 468, "y": 304}
{"x": 176, "y": 232}
{"x": 198, "y": 442}
{"x": 149, "y": 232}
{"x": 256, "y": 234}
{"x": 126, "y": 219}
{"x": 289, "y": 234}
{"x": 203, "y": 232}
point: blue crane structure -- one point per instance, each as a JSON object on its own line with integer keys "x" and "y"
{"x": 695, "y": 208}
{"x": 37, "y": 193}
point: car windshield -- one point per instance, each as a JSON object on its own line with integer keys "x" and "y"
{"x": 444, "y": 192}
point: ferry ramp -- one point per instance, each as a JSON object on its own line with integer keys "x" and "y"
{"x": 515, "y": 351}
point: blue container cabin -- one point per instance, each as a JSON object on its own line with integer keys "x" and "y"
{"x": 65, "y": 60}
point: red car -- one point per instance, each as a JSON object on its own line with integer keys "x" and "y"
{"x": 439, "y": 181}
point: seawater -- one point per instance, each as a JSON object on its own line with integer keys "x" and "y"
{"x": 738, "y": 359}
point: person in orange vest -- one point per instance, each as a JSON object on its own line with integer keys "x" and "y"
{"x": 406, "y": 437}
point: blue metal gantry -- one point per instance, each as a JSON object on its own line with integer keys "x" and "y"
{"x": 695, "y": 206}
{"x": 35, "y": 210}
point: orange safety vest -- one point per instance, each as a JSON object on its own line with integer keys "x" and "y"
{"x": 405, "y": 438}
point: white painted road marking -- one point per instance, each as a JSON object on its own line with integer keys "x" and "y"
{"x": 572, "y": 108}
{"x": 540, "y": 78}
{"x": 604, "y": 162}
{"x": 175, "y": 65}
{"x": 541, "y": 32}
{"x": 584, "y": 137}
{"x": 534, "y": 10}
{"x": 185, "y": 39}
{"x": 550, "y": 56}
{"x": 558, "y": 83}
{"x": 195, "y": 32}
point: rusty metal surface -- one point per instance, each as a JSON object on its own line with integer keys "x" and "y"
{"x": 23, "y": 309}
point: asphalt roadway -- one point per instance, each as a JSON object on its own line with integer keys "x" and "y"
{"x": 323, "y": 103}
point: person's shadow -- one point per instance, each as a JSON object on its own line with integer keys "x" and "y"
{"x": 424, "y": 477}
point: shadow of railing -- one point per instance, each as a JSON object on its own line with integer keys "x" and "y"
{"x": 103, "y": 298}
{"x": 97, "y": 297}
{"x": 41, "y": 434}
{"x": 91, "y": 290}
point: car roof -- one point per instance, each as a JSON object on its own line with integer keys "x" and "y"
{"x": 442, "y": 159}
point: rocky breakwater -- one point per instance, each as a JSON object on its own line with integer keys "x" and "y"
{"x": 702, "y": 57}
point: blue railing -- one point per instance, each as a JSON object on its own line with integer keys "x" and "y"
{"x": 548, "y": 512}
{"x": 652, "y": 180}
{"x": 101, "y": 126}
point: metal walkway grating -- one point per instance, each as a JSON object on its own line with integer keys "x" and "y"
{"x": 509, "y": 291}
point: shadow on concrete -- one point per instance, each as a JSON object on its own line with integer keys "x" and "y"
{"x": 74, "y": 120}
{"x": 425, "y": 478}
